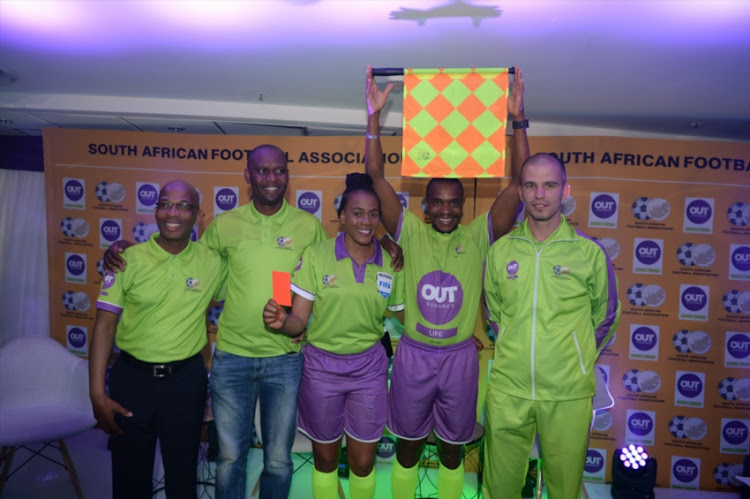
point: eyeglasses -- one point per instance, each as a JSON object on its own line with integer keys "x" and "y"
{"x": 166, "y": 205}
{"x": 264, "y": 172}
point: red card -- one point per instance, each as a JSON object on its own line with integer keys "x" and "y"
{"x": 282, "y": 288}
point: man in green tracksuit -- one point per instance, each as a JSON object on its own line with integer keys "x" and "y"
{"x": 551, "y": 292}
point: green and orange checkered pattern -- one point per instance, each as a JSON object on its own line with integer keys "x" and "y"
{"x": 454, "y": 122}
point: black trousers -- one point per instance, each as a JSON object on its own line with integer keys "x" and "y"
{"x": 170, "y": 409}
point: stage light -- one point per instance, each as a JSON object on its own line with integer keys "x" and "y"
{"x": 633, "y": 474}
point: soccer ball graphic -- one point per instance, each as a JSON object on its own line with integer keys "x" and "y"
{"x": 107, "y": 192}
{"x": 735, "y": 214}
{"x": 680, "y": 341}
{"x": 66, "y": 226}
{"x": 725, "y": 473}
{"x": 677, "y": 427}
{"x": 731, "y": 301}
{"x": 640, "y": 208}
{"x": 685, "y": 254}
{"x": 68, "y": 300}
{"x": 726, "y": 389}
{"x": 630, "y": 380}
{"x": 635, "y": 294}
{"x": 142, "y": 232}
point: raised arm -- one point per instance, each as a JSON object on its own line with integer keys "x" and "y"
{"x": 389, "y": 204}
{"x": 504, "y": 209}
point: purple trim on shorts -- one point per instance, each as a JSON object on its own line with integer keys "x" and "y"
{"x": 102, "y": 305}
{"x": 434, "y": 388}
{"x": 359, "y": 270}
{"x": 343, "y": 393}
{"x": 432, "y": 332}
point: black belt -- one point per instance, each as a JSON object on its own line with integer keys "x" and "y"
{"x": 157, "y": 370}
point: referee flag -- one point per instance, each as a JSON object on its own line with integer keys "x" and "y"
{"x": 454, "y": 122}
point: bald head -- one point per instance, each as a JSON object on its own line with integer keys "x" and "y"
{"x": 544, "y": 158}
{"x": 190, "y": 193}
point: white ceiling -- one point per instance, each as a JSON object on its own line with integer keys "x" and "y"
{"x": 646, "y": 67}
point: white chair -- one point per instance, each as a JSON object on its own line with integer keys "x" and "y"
{"x": 44, "y": 397}
{"x": 302, "y": 446}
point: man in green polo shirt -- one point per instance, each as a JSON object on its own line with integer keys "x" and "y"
{"x": 158, "y": 383}
{"x": 252, "y": 361}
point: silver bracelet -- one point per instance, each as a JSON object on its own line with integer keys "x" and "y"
{"x": 371, "y": 136}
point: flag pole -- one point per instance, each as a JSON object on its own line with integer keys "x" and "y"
{"x": 400, "y": 71}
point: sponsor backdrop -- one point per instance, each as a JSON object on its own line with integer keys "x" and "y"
{"x": 674, "y": 216}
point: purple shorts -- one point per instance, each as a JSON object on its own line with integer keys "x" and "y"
{"x": 434, "y": 388}
{"x": 340, "y": 393}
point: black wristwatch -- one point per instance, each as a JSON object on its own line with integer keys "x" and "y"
{"x": 517, "y": 125}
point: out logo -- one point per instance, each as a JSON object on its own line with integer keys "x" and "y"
{"x": 225, "y": 199}
{"x": 640, "y": 423}
{"x": 604, "y": 206}
{"x": 311, "y": 202}
{"x": 76, "y": 337}
{"x": 74, "y": 190}
{"x": 685, "y": 470}
{"x": 698, "y": 211}
{"x": 648, "y": 252}
{"x": 594, "y": 461}
{"x": 386, "y": 447}
{"x": 439, "y": 297}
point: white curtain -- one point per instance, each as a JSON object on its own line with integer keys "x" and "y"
{"x": 24, "y": 286}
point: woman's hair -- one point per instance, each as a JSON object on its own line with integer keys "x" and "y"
{"x": 356, "y": 182}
